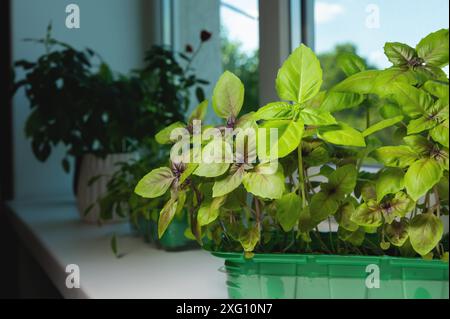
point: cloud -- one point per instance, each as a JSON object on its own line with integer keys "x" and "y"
{"x": 379, "y": 59}
{"x": 327, "y": 12}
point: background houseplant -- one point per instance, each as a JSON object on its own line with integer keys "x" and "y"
{"x": 243, "y": 208}
{"x": 100, "y": 117}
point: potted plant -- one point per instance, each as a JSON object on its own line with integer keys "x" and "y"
{"x": 169, "y": 85}
{"x": 267, "y": 188}
{"x": 100, "y": 117}
{"x": 87, "y": 110}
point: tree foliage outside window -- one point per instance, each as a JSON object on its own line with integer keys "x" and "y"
{"x": 245, "y": 65}
{"x": 333, "y": 75}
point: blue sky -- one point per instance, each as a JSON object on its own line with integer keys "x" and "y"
{"x": 342, "y": 21}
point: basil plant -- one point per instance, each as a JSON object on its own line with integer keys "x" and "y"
{"x": 284, "y": 178}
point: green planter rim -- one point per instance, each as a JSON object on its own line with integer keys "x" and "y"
{"x": 332, "y": 259}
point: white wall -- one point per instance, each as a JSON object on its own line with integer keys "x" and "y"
{"x": 120, "y": 30}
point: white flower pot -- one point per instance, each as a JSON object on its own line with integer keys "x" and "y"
{"x": 92, "y": 166}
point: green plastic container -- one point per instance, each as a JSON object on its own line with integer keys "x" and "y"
{"x": 276, "y": 276}
{"x": 141, "y": 228}
{"x": 173, "y": 239}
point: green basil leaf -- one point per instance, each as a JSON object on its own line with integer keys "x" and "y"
{"x": 438, "y": 112}
{"x": 368, "y": 191}
{"x": 264, "y": 183}
{"x": 166, "y": 216}
{"x": 181, "y": 200}
{"x": 422, "y": 176}
{"x": 395, "y": 156}
{"x": 229, "y": 183}
{"x": 356, "y": 238}
{"x": 360, "y": 83}
{"x": 440, "y": 133}
{"x": 384, "y": 83}
{"x": 365, "y": 216}
{"x": 338, "y": 101}
{"x": 113, "y": 245}
{"x": 399, "y": 206}
{"x": 250, "y": 238}
{"x": 290, "y": 134}
{"x": 316, "y": 117}
{"x": 390, "y": 181}
{"x": 316, "y": 155}
{"x": 209, "y": 211}
{"x": 420, "y": 125}
{"x": 316, "y": 101}
{"x": 350, "y": 63}
{"x": 322, "y": 206}
{"x": 343, "y": 180}
{"x": 397, "y": 232}
{"x": 342, "y": 134}
{"x": 326, "y": 171}
{"x": 236, "y": 199}
{"x": 443, "y": 188}
{"x": 433, "y": 116}
{"x": 390, "y": 110}
{"x": 216, "y": 158}
{"x": 413, "y": 101}
{"x": 300, "y": 77}
{"x": 370, "y": 230}
{"x": 275, "y": 111}
{"x": 434, "y": 48}
{"x": 399, "y": 54}
{"x": 419, "y": 144}
{"x": 438, "y": 89}
{"x": 425, "y": 231}
{"x": 228, "y": 96}
{"x": 155, "y": 184}
{"x": 288, "y": 211}
{"x": 163, "y": 137}
{"x": 426, "y": 72}
{"x": 211, "y": 170}
{"x": 305, "y": 221}
{"x": 247, "y": 121}
{"x": 343, "y": 217}
{"x": 190, "y": 169}
{"x": 199, "y": 112}
{"x": 382, "y": 125}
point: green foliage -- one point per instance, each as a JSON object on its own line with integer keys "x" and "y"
{"x": 300, "y": 77}
{"x": 245, "y": 66}
{"x": 228, "y": 97}
{"x": 93, "y": 110}
{"x": 261, "y": 203}
{"x": 425, "y": 232}
{"x": 155, "y": 183}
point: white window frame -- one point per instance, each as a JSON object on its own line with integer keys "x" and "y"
{"x": 162, "y": 19}
{"x": 284, "y": 24}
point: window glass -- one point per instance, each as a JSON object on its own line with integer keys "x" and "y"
{"x": 368, "y": 24}
{"x": 240, "y": 45}
{"x": 363, "y": 27}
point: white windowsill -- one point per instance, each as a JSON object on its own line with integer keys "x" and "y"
{"x": 56, "y": 237}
